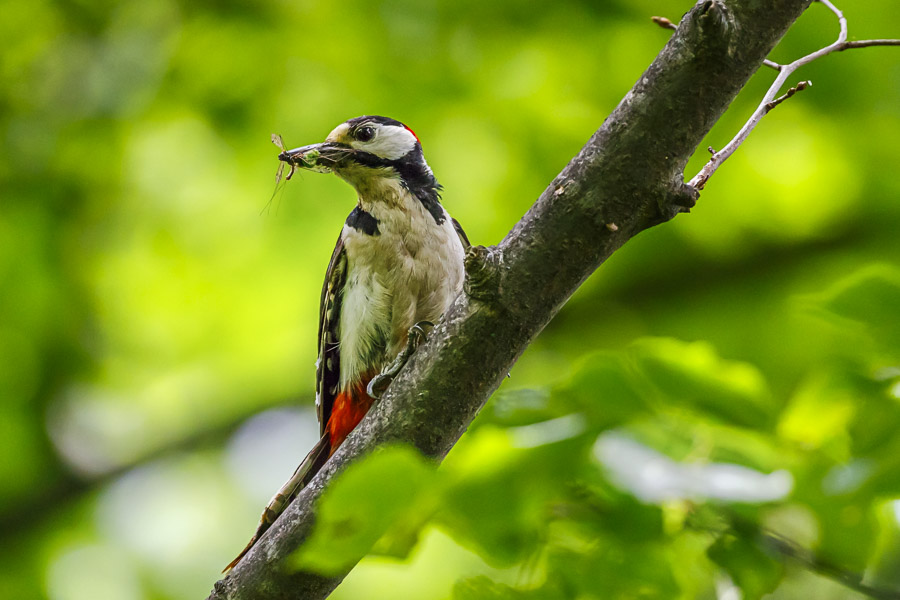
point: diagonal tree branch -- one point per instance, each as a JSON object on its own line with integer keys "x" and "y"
{"x": 627, "y": 178}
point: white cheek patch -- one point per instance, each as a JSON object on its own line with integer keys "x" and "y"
{"x": 390, "y": 142}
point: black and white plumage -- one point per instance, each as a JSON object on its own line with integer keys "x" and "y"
{"x": 398, "y": 261}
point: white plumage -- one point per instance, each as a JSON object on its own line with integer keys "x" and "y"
{"x": 410, "y": 272}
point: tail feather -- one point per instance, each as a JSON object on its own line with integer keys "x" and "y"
{"x": 301, "y": 477}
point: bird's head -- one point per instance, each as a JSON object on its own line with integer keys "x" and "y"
{"x": 368, "y": 152}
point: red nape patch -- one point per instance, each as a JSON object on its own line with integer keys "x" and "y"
{"x": 414, "y": 134}
{"x": 349, "y": 408}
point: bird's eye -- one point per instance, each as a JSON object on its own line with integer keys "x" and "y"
{"x": 364, "y": 134}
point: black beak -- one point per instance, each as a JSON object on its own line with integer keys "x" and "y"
{"x": 317, "y": 157}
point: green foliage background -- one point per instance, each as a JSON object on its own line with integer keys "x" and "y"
{"x": 157, "y": 315}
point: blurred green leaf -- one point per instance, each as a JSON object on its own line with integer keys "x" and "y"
{"x": 819, "y": 413}
{"x": 521, "y": 406}
{"x": 601, "y": 387}
{"x": 501, "y": 492}
{"x": 694, "y": 376}
{"x": 876, "y": 420}
{"x": 610, "y": 571}
{"x": 482, "y": 588}
{"x": 870, "y": 297}
{"x": 880, "y": 474}
{"x": 758, "y": 450}
{"x": 368, "y": 498}
{"x": 603, "y": 510}
{"x": 604, "y": 390}
{"x": 883, "y": 571}
{"x": 754, "y": 571}
{"x": 848, "y": 532}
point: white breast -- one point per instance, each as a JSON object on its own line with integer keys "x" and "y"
{"x": 408, "y": 273}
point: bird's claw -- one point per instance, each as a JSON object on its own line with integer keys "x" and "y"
{"x": 418, "y": 334}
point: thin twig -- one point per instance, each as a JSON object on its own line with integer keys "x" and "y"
{"x": 787, "y": 549}
{"x": 664, "y": 23}
{"x": 808, "y": 559}
{"x": 868, "y": 43}
{"x": 797, "y": 88}
{"x": 771, "y": 99}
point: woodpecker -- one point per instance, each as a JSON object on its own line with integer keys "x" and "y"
{"x": 396, "y": 267}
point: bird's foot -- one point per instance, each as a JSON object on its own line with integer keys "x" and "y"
{"x": 418, "y": 334}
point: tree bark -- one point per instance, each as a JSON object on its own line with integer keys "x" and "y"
{"x": 627, "y": 178}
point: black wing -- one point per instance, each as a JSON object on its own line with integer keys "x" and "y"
{"x": 462, "y": 234}
{"x": 328, "y": 367}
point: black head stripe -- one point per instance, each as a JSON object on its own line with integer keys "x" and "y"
{"x": 360, "y": 122}
{"x": 353, "y": 123}
{"x": 414, "y": 174}
{"x": 367, "y": 159}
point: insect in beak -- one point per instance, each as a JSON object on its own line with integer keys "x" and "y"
{"x": 276, "y": 139}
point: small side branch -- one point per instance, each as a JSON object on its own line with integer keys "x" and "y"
{"x": 797, "y": 88}
{"x": 786, "y": 550}
{"x": 664, "y": 23}
{"x": 791, "y": 551}
{"x": 772, "y": 99}
{"x": 867, "y": 44}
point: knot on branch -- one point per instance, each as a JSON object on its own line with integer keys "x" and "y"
{"x": 712, "y": 26}
{"x": 483, "y": 272}
{"x": 680, "y": 198}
